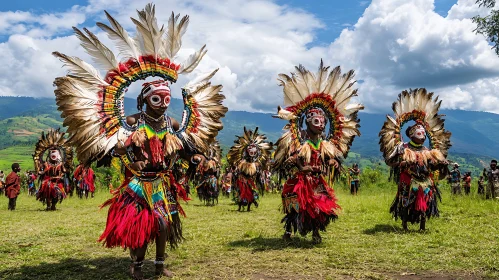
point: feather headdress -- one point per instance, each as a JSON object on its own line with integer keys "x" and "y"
{"x": 92, "y": 105}
{"x": 53, "y": 139}
{"x": 415, "y": 105}
{"x": 238, "y": 155}
{"x": 327, "y": 90}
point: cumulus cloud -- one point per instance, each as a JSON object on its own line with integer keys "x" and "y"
{"x": 399, "y": 44}
{"x": 249, "y": 41}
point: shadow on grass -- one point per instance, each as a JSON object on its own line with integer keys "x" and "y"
{"x": 264, "y": 244}
{"x": 100, "y": 268}
{"x": 380, "y": 228}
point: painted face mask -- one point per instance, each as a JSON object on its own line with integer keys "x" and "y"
{"x": 418, "y": 132}
{"x": 55, "y": 155}
{"x": 252, "y": 150}
{"x": 316, "y": 118}
{"x": 157, "y": 94}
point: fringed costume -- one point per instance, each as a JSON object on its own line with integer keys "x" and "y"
{"x": 208, "y": 187}
{"x": 85, "y": 181}
{"x": 312, "y": 154}
{"x": 53, "y": 170}
{"x": 248, "y": 155}
{"x": 146, "y": 206}
{"x": 416, "y": 167}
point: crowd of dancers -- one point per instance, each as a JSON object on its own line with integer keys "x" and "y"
{"x": 161, "y": 157}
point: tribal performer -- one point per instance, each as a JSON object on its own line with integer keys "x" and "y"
{"x": 227, "y": 180}
{"x": 146, "y": 207}
{"x": 248, "y": 155}
{"x": 85, "y": 180}
{"x": 416, "y": 168}
{"x": 208, "y": 187}
{"x": 493, "y": 181}
{"x": 354, "y": 178}
{"x": 53, "y": 171}
{"x": 322, "y": 126}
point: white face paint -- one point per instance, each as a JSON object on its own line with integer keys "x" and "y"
{"x": 419, "y": 132}
{"x": 55, "y": 155}
{"x": 252, "y": 150}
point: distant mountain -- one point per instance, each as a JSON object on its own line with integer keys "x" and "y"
{"x": 23, "y": 118}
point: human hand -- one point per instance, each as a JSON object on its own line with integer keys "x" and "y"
{"x": 139, "y": 165}
{"x": 334, "y": 163}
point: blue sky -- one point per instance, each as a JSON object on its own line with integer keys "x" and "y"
{"x": 400, "y": 44}
{"x": 336, "y": 15}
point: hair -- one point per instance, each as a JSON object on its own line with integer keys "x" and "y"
{"x": 15, "y": 166}
{"x": 493, "y": 161}
{"x": 140, "y": 101}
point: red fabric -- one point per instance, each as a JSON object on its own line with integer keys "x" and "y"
{"x": 128, "y": 227}
{"x": 12, "y": 185}
{"x": 48, "y": 188}
{"x": 181, "y": 192}
{"x": 156, "y": 147}
{"x": 90, "y": 179}
{"x": 310, "y": 201}
{"x": 421, "y": 203}
{"x": 246, "y": 187}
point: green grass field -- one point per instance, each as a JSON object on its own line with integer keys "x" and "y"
{"x": 19, "y": 154}
{"x": 221, "y": 243}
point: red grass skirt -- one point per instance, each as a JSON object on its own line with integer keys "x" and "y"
{"x": 315, "y": 203}
{"x": 51, "y": 189}
{"x": 131, "y": 223}
{"x": 246, "y": 187}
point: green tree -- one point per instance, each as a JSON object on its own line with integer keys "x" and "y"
{"x": 488, "y": 25}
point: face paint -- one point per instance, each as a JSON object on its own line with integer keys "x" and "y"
{"x": 159, "y": 99}
{"x": 419, "y": 132}
{"x": 55, "y": 155}
{"x": 157, "y": 94}
{"x": 252, "y": 150}
{"x": 316, "y": 119}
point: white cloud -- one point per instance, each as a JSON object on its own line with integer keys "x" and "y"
{"x": 399, "y": 44}
{"x": 250, "y": 41}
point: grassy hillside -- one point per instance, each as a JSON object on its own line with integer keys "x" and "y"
{"x": 20, "y": 154}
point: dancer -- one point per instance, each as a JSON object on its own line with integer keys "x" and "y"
{"x": 52, "y": 170}
{"x": 85, "y": 181}
{"x": 248, "y": 155}
{"x": 227, "y": 182}
{"x": 146, "y": 207}
{"x": 354, "y": 176}
{"x": 492, "y": 181}
{"x": 455, "y": 179}
{"x": 320, "y": 102}
{"x": 416, "y": 168}
{"x": 208, "y": 187}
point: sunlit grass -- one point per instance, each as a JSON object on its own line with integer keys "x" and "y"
{"x": 222, "y": 243}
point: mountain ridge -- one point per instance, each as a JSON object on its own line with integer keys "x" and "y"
{"x": 473, "y": 132}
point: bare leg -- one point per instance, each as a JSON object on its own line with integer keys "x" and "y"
{"x": 160, "y": 251}
{"x": 404, "y": 225}
{"x": 137, "y": 255}
{"x": 49, "y": 203}
{"x": 422, "y": 224}
{"x": 316, "y": 237}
